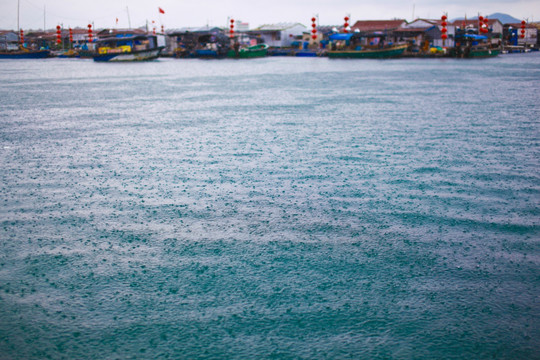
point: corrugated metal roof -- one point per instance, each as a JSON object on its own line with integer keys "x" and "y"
{"x": 201, "y": 29}
{"x": 278, "y": 26}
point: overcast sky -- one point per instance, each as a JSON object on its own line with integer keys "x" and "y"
{"x": 181, "y": 13}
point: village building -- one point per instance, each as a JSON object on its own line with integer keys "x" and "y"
{"x": 512, "y": 35}
{"x": 370, "y": 30}
{"x": 279, "y": 35}
{"x": 495, "y": 28}
{"x": 424, "y": 33}
{"x": 323, "y": 33}
{"x": 9, "y": 40}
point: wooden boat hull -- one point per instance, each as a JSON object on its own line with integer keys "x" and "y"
{"x": 40, "y": 54}
{"x": 387, "y": 53}
{"x": 143, "y": 55}
{"x": 484, "y": 53}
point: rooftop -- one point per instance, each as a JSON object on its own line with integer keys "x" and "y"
{"x": 377, "y": 25}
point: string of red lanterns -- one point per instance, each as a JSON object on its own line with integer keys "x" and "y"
{"x": 89, "y": 32}
{"x": 483, "y": 24}
{"x": 70, "y": 36}
{"x": 480, "y": 23}
{"x": 523, "y": 24}
{"x": 346, "y": 24}
{"x": 58, "y": 34}
{"x": 21, "y": 37}
{"x": 314, "y": 28}
{"x": 231, "y": 31}
{"x": 444, "y": 30}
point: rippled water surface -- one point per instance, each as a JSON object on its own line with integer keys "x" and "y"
{"x": 270, "y": 208}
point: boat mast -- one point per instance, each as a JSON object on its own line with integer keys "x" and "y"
{"x": 18, "y": 11}
{"x": 129, "y": 19}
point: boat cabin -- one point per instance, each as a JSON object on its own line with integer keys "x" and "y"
{"x": 126, "y": 44}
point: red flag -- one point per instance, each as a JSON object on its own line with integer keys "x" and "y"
{"x": 161, "y": 11}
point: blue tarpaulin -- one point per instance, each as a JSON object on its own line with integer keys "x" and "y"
{"x": 340, "y": 36}
{"x": 474, "y": 37}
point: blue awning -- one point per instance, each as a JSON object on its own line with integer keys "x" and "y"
{"x": 475, "y": 37}
{"x": 340, "y": 36}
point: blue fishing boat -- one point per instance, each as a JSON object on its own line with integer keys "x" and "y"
{"x": 19, "y": 51}
{"x": 25, "y": 54}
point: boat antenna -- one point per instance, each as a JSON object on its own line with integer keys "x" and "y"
{"x": 129, "y": 19}
{"x": 18, "y": 11}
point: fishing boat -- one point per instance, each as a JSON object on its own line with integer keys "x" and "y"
{"x": 129, "y": 48}
{"x": 212, "y": 46}
{"x": 254, "y": 51}
{"x": 349, "y": 46}
{"x": 471, "y": 46}
{"x": 15, "y": 49}
{"x": 388, "y": 52}
{"x": 203, "y": 42}
{"x": 24, "y": 54}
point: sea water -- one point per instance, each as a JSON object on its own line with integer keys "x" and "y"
{"x": 275, "y": 208}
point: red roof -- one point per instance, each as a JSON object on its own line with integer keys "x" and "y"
{"x": 377, "y": 25}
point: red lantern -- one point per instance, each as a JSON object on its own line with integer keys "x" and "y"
{"x": 314, "y": 28}
{"x": 523, "y": 23}
{"x": 89, "y": 33}
{"x": 346, "y": 24}
{"x": 480, "y": 18}
{"x": 444, "y": 31}
{"x": 58, "y": 34}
